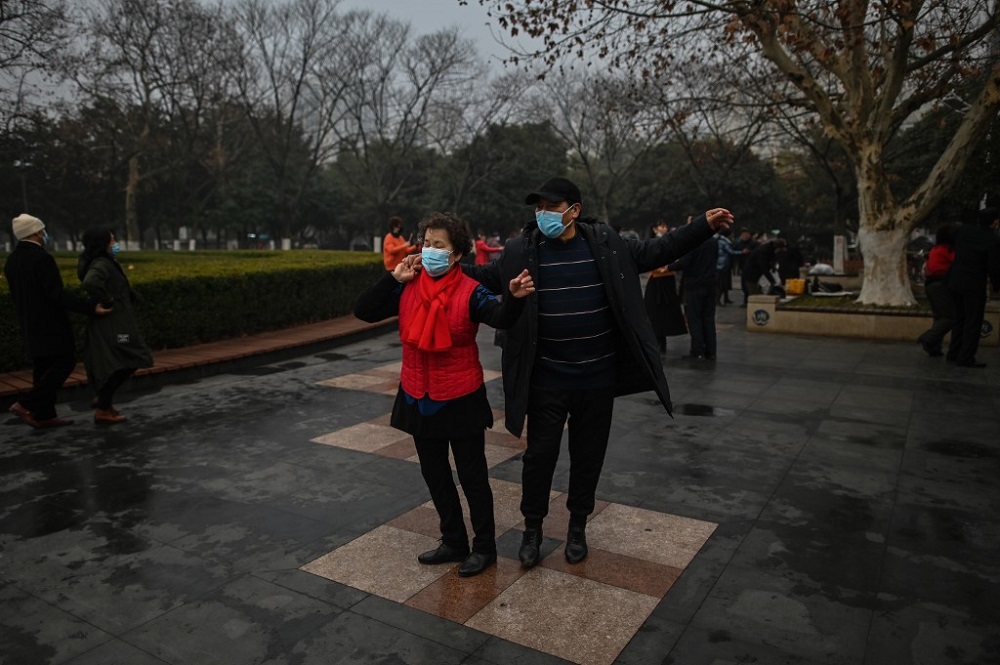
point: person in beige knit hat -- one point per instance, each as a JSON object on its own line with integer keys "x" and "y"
{"x": 42, "y": 304}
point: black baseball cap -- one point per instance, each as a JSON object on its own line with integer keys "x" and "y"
{"x": 555, "y": 190}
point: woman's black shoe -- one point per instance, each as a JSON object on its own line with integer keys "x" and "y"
{"x": 476, "y": 563}
{"x": 443, "y": 554}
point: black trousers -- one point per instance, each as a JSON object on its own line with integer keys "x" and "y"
{"x": 470, "y": 462}
{"x": 48, "y": 375}
{"x": 589, "y": 414}
{"x": 943, "y": 307}
{"x": 700, "y": 303}
{"x": 106, "y": 393}
{"x": 970, "y": 309}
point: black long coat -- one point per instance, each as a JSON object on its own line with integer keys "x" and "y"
{"x": 619, "y": 262}
{"x": 41, "y": 301}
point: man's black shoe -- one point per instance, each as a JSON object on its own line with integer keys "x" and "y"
{"x": 531, "y": 545}
{"x": 476, "y": 563}
{"x": 975, "y": 364}
{"x": 576, "y": 544}
{"x": 443, "y": 554}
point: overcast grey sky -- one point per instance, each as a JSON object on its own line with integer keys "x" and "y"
{"x": 426, "y": 16}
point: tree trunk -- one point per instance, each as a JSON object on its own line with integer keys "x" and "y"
{"x": 887, "y": 281}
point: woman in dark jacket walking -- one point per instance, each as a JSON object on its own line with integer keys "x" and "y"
{"x": 115, "y": 348}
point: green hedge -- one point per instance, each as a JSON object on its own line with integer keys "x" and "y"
{"x": 192, "y": 297}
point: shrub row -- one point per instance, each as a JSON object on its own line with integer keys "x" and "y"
{"x": 187, "y": 299}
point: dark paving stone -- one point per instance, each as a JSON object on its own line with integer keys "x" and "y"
{"x": 501, "y": 652}
{"x": 33, "y": 631}
{"x": 320, "y": 588}
{"x": 354, "y": 639}
{"x": 114, "y": 592}
{"x": 911, "y": 634}
{"x": 247, "y": 620}
{"x": 116, "y": 652}
{"x": 811, "y": 622}
{"x": 717, "y": 646}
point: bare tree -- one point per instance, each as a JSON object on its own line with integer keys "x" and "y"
{"x": 863, "y": 68}
{"x": 393, "y": 87}
{"x": 608, "y": 128}
{"x": 32, "y": 34}
{"x": 292, "y": 85}
{"x": 464, "y": 115}
{"x": 150, "y": 58}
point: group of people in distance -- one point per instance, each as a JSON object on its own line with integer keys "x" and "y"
{"x": 958, "y": 266}
{"x": 577, "y": 336}
{"x": 114, "y": 347}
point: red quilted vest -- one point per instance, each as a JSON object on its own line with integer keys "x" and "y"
{"x": 449, "y": 374}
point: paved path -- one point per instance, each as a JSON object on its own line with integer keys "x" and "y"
{"x": 814, "y": 501}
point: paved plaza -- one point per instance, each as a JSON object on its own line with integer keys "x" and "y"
{"x": 814, "y": 501}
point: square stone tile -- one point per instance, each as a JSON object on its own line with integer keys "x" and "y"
{"x": 422, "y": 519}
{"x": 646, "y": 577}
{"x": 489, "y": 375}
{"x": 383, "y": 562}
{"x": 400, "y": 450}
{"x": 353, "y": 381}
{"x": 494, "y": 455}
{"x": 363, "y": 437}
{"x": 498, "y": 436}
{"x": 390, "y": 370}
{"x": 459, "y": 598}
{"x": 666, "y": 539}
{"x": 570, "y": 617}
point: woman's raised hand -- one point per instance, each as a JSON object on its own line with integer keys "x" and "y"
{"x": 404, "y": 272}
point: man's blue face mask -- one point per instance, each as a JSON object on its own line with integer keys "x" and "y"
{"x": 550, "y": 222}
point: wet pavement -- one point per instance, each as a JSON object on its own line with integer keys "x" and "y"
{"x": 814, "y": 501}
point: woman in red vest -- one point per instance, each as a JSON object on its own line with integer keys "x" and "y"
{"x": 442, "y": 398}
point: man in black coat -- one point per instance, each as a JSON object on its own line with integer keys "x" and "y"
{"x": 583, "y": 338}
{"x": 700, "y": 283}
{"x": 977, "y": 257}
{"x": 41, "y": 302}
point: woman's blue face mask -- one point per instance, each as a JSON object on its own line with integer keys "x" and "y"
{"x": 115, "y": 248}
{"x": 435, "y": 261}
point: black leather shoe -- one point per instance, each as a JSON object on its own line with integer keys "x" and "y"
{"x": 476, "y": 563}
{"x": 443, "y": 554}
{"x": 576, "y": 544}
{"x": 531, "y": 545}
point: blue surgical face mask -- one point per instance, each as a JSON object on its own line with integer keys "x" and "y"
{"x": 435, "y": 261}
{"x": 46, "y": 238}
{"x": 550, "y": 222}
{"x": 115, "y": 248}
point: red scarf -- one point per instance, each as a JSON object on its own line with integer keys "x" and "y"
{"x": 428, "y": 328}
